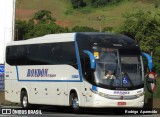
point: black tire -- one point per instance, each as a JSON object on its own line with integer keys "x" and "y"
{"x": 74, "y": 103}
{"x": 24, "y": 100}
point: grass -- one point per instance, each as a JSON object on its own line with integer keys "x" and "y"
{"x": 157, "y": 90}
{"x": 63, "y": 11}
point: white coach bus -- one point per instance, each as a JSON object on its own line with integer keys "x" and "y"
{"x": 75, "y": 69}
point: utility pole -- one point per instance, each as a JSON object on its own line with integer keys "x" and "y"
{"x": 99, "y": 19}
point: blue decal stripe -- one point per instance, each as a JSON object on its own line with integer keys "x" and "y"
{"x": 94, "y": 88}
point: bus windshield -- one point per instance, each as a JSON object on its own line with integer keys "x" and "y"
{"x": 117, "y": 68}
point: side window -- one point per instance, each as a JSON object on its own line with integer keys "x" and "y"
{"x": 68, "y": 55}
{"x": 11, "y": 55}
{"x": 56, "y": 53}
{"x": 42, "y": 54}
{"x": 32, "y": 54}
{"x": 8, "y": 55}
{"x": 20, "y": 60}
{"x": 7, "y": 51}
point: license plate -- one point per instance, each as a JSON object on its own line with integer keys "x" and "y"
{"x": 121, "y": 103}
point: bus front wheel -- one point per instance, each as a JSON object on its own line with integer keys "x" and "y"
{"x": 74, "y": 103}
{"x": 24, "y": 100}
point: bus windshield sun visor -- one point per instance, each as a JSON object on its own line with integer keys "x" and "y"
{"x": 92, "y": 59}
{"x": 149, "y": 59}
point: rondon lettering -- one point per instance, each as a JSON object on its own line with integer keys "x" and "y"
{"x": 39, "y": 73}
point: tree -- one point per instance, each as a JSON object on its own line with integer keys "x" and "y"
{"x": 41, "y": 29}
{"x": 43, "y": 16}
{"x": 21, "y": 28}
{"x": 41, "y": 24}
{"x": 144, "y": 27}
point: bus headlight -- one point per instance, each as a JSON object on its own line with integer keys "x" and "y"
{"x": 100, "y": 93}
{"x": 94, "y": 91}
{"x": 140, "y": 94}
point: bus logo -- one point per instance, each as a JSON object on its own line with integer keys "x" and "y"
{"x": 121, "y": 92}
{"x": 39, "y": 73}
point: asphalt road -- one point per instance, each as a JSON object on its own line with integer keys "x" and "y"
{"x": 63, "y": 112}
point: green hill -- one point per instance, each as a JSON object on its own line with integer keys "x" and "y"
{"x": 65, "y": 15}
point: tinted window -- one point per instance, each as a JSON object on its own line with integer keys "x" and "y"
{"x": 42, "y": 54}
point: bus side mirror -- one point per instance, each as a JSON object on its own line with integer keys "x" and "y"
{"x": 151, "y": 82}
{"x": 151, "y": 77}
{"x": 92, "y": 59}
{"x": 149, "y": 59}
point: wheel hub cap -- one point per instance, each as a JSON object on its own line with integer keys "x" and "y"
{"x": 25, "y": 101}
{"x": 75, "y": 103}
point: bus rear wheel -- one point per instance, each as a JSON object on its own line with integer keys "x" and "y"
{"x": 74, "y": 103}
{"x": 24, "y": 100}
